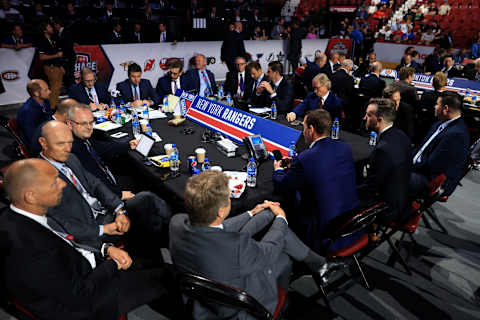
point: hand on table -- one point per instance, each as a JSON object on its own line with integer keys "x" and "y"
{"x": 133, "y": 143}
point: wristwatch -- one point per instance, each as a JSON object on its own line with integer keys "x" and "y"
{"x": 120, "y": 211}
{"x": 105, "y": 248}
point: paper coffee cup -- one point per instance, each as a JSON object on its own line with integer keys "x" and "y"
{"x": 168, "y": 148}
{"x": 143, "y": 125}
{"x": 177, "y": 116}
{"x": 200, "y": 153}
{"x": 216, "y": 168}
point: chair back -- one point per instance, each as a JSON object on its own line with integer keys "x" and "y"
{"x": 435, "y": 187}
{"x": 12, "y": 128}
{"x": 209, "y": 292}
{"x": 353, "y": 221}
{"x": 474, "y": 158}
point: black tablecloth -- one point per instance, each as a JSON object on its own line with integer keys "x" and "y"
{"x": 172, "y": 189}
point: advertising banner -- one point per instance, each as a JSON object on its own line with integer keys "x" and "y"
{"x": 14, "y": 67}
{"x": 94, "y": 58}
{"x": 393, "y": 52}
{"x": 343, "y": 46}
{"x": 237, "y": 124}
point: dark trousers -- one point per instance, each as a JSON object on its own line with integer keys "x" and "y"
{"x": 418, "y": 184}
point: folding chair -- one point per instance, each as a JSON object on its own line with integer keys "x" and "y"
{"x": 213, "y": 293}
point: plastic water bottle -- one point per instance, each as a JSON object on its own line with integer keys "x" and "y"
{"x": 165, "y": 102}
{"x": 336, "y": 129}
{"x": 373, "y": 138}
{"x": 118, "y": 116}
{"x": 123, "y": 106}
{"x": 206, "y": 165}
{"x": 145, "y": 112}
{"x": 292, "y": 150}
{"x": 273, "y": 112}
{"x": 174, "y": 162}
{"x": 148, "y": 130}
{"x": 112, "y": 103}
{"x": 220, "y": 92}
{"x": 229, "y": 100}
{"x": 252, "y": 173}
{"x": 136, "y": 126}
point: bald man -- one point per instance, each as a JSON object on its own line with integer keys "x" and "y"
{"x": 89, "y": 210}
{"x": 47, "y": 272}
{"x": 34, "y": 111}
{"x": 312, "y": 69}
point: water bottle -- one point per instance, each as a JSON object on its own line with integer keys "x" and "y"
{"x": 229, "y": 100}
{"x": 174, "y": 162}
{"x": 112, "y": 103}
{"x": 165, "y": 103}
{"x": 118, "y": 116}
{"x": 252, "y": 173}
{"x": 373, "y": 138}
{"x": 292, "y": 150}
{"x": 335, "y": 129}
{"x": 123, "y": 107}
{"x": 136, "y": 126}
{"x": 145, "y": 113}
{"x": 220, "y": 92}
{"x": 148, "y": 130}
{"x": 273, "y": 112}
{"x": 206, "y": 165}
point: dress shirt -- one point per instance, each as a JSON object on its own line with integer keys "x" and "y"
{"x": 313, "y": 143}
{"x": 239, "y": 90}
{"x": 331, "y": 66}
{"x": 384, "y": 129}
{"x": 93, "y": 93}
{"x": 137, "y": 89}
{"x": 204, "y": 85}
{"x": 418, "y": 156}
{"x": 257, "y": 82}
{"x": 276, "y": 84}
{"x": 172, "y": 84}
{"x": 324, "y": 98}
{"x": 43, "y": 221}
{"x": 163, "y": 36}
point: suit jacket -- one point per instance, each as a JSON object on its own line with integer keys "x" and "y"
{"x": 285, "y": 96}
{"x": 134, "y": 38}
{"x": 413, "y": 65}
{"x": 164, "y": 85}
{"x": 327, "y": 187}
{"x": 343, "y": 85}
{"x": 261, "y": 100}
{"x": 310, "y": 72}
{"x": 447, "y": 154}
{"x": 452, "y": 73}
{"x": 29, "y": 117}
{"x": 78, "y": 92}
{"x": 333, "y": 105}
{"x": 192, "y": 80}
{"x": 112, "y": 38}
{"x": 408, "y": 93}
{"x": 404, "y": 120}
{"x": 65, "y": 42}
{"x": 363, "y": 69}
{"x": 146, "y": 91}
{"x": 231, "y": 256}
{"x": 73, "y": 213}
{"x": 389, "y": 172}
{"x": 371, "y": 86}
{"x": 233, "y": 47}
{"x": 49, "y": 277}
{"x": 231, "y": 83}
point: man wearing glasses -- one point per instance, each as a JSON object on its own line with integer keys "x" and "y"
{"x": 237, "y": 81}
{"x": 172, "y": 81}
{"x": 89, "y": 91}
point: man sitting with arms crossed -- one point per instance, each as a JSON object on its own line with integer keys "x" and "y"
{"x": 204, "y": 242}
{"x": 47, "y": 272}
{"x": 89, "y": 210}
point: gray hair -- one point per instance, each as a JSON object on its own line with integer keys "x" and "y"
{"x": 323, "y": 80}
{"x": 73, "y": 109}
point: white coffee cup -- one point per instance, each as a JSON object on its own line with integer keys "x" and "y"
{"x": 216, "y": 168}
{"x": 168, "y": 148}
{"x": 200, "y": 154}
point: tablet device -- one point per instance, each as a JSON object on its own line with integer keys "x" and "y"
{"x": 145, "y": 145}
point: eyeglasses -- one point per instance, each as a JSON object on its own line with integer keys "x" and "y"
{"x": 85, "y": 80}
{"x": 240, "y": 64}
{"x": 84, "y": 124}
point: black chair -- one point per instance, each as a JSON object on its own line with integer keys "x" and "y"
{"x": 343, "y": 226}
{"x": 12, "y": 128}
{"x": 209, "y": 292}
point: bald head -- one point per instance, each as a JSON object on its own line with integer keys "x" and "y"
{"x": 33, "y": 185}
{"x": 376, "y": 67}
{"x": 56, "y": 141}
{"x": 54, "y": 127}
{"x": 63, "y": 107}
{"x": 321, "y": 59}
{"x": 347, "y": 64}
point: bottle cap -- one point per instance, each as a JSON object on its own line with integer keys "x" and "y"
{"x": 206, "y": 160}
{"x": 252, "y": 160}
{"x": 174, "y": 145}
{"x": 336, "y": 119}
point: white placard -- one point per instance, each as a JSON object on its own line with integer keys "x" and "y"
{"x": 14, "y": 66}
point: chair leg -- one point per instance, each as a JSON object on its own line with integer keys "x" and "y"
{"x": 431, "y": 213}
{"x": 367, "y": 285}
{"x": 397, "y": 256}
{"x": 318, "y": 282}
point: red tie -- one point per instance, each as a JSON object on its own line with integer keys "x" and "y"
{"x": 320, "y": 103}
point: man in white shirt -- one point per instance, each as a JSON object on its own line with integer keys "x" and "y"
{"x": 172, "y": 81}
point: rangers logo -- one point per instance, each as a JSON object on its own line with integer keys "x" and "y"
{"x": 149, "y": 65}
{"x": 10, "y": 75}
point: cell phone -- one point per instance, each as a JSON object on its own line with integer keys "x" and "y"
{"x": 277, "y": 155}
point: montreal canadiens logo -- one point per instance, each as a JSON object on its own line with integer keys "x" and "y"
{"x": 10, "y": 75}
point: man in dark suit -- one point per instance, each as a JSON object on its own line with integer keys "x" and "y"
{"x": 137, "y": 35}
{"x": 407, "y": 90}
{"x": 172, "y": 81}
{"x": 449, "y": 69}
{"x": 48, "y": 272}
{"x": 164, "y": 35}
{"x": 343, "y": 84}
{"x": 389, "y": 165}
{"x": 333, "y": 61}
{"x": 324, "y": 177}
{"x": 366, "y": 66}
{"x": 115, "y": 36}
{"x": 255, "y": 97}
{"x": 371, "y": 85}
{"x": 200, "y": 78}
{"x": 66, "y": 43}
{"x": 136, "y": 90}
{"x": 294, "y": 50}
{"x": 319, "y": 66}
{"x": 34, "y": 111}
{"x": 89, "y": 91}
{"x": 89, "y": 209}
{"x": 320, "y": 98}
{"x": 238, "y": 81}
{"x": 404, "y": 112}
{"x": 444, "y": 149}
{"x": 233, "y": 46}
{"x": 408, "y": 62}
{"x": 205, "y": 243}
{"x": 279, "y": 88}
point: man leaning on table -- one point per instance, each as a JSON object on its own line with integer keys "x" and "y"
{"x": 136, "y": 90}
{"x": 89, "y": 91}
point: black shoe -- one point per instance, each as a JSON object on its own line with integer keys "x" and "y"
{"x": 330, "y": 268}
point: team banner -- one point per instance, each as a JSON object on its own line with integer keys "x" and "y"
{"x": 237, "y": 124}
{"x": 343, "y": 46}
{"x": 94, "y": 58}
{"x": 14, "y": 67}
{"x": 393, "y": 52}
{"x": 424, "y": 82}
